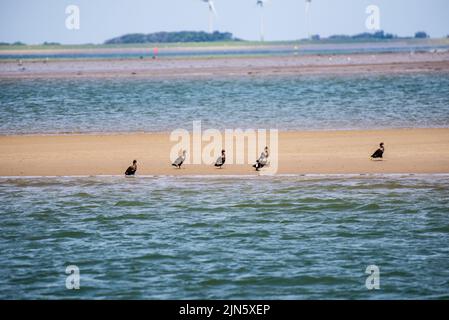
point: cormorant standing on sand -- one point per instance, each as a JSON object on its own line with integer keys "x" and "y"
{"x": 178, "y": 162}
{"x": 262, "y": 161}
{"x": 131, "y": 169}
{"x": 221, "y": 160}
{"x": 379, "y": 152}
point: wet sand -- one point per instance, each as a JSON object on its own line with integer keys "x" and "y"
{"x": 197, "y": 67}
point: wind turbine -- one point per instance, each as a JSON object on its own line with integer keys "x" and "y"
{"x": 307, "y": 10}
{"x": 212, "y": 12}
{"x": 261, "y": 4}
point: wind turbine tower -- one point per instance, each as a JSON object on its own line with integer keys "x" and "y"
{"x": 212, "y": 13}
{"x": 307, "y": 11}
{"x": 261, "y": 4}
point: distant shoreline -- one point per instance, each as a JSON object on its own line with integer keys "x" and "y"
{"x": 243, "y": 43}
{"x": 206, "y": 67}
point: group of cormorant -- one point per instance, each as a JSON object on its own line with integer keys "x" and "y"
{"x": 260, "y": 163}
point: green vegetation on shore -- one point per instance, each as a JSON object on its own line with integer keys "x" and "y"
{"x": 230, "y": 43}
{"x": 173, "y": 37}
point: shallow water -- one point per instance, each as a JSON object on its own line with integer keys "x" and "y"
{"x": 282, "y": 237}
{"x": 285, "y": 103}
{"x": 273, "y": 51}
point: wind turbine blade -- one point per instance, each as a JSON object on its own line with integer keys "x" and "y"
{"x": 212, "y": 8}
{"x": 308, "y": 2}
{"x": 262, "y": 3}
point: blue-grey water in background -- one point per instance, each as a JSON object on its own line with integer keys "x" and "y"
{"x": 147, "y": 52}
{"x": 228, "y": 237}
{"x": 286, "y": 103}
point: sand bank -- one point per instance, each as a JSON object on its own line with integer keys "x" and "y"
{"x": 204, "y": 67}
{"x": 326, "y": 152}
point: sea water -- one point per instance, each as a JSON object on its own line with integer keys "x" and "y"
{"x": 285, "y": 237}
{"x": 280, "y": 237}
{"x": 284, "y": 103}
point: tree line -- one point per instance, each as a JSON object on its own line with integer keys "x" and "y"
{"x": 169, "y": 37}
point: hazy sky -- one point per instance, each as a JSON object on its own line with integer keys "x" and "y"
{"x": 36, "y": 21}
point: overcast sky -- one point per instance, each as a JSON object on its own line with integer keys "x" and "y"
{"x": 36, "y": 21}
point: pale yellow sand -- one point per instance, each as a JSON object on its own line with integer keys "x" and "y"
{"x": 407, "y": 151}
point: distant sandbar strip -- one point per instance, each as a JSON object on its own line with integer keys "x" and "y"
{"x": 204, "y": 67}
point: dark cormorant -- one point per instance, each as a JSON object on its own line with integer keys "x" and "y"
{"x": 379, "y": 152}
{"x": 131, "y": 169}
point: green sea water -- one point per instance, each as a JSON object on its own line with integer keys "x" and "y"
{"x": 282, "y": 237}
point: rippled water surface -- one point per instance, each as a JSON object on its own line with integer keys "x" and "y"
{"x": 286, "y": 103}
{"x": 208, "y": 237}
